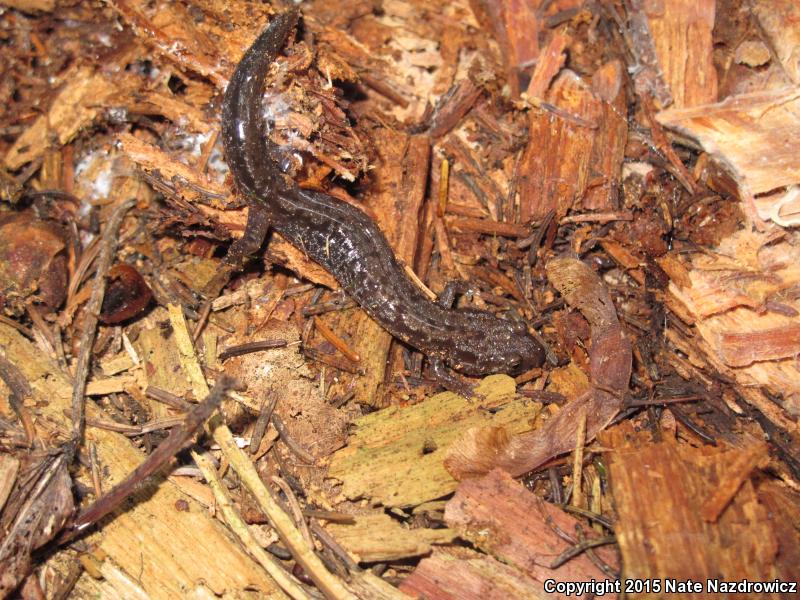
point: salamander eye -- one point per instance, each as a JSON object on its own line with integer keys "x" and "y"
{"x": 515, "y": 362}
{"x": 518, "y": 327}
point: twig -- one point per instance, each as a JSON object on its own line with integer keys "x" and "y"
{"x": 166, "y": 450}
{"x": 95, "y": 467}
{"x": 336, "y": 341}
{"x": 600, "y": 217}
{"x": 167, "y": 398}
{"x": 262, "y": 421}
{"x": 581, "y": 547}
{"x": 588, "y": 514}
{"x": 290, "y": 442}
{"x": 577, "y": 465}
{"x": 326, "y": 538}
{"x": 328, "y": 584}
{"x": 107, "y": 250}
{"x": 297, "y": 510}
{"x": 251, "y": 347}
{"x": 444, "y": 179}
{"x": 699, "y": 431}
{"x": 239, "y": 527}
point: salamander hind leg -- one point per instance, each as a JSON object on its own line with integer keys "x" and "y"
{"x": 451, "y": 382}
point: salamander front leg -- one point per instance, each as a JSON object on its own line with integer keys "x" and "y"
{"x": 255, "y": 230}
{"x": 453, "y": 288}
{"x": 451, "y": 382}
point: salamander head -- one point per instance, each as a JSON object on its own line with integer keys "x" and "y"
{"x": 493, "y": 345}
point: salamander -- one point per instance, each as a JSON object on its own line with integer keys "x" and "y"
{"x": 347, "y": 243}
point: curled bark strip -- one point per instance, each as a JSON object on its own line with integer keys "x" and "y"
{"x": 610, "y": 357}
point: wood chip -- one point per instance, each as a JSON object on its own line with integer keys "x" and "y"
{"x": 661, "y": 533}
{"x": 376, "y": 537}
{"x": 681, "y": 32}
{"x": 502, "y": 518}
{"x": 395, "y": 455}
{"x": 76, "y": 106}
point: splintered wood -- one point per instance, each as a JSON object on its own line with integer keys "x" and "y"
{"x": 523, "y": 538}
{"x": 575, "y": 150}
{"x": 753, "y": 135}
{"x": 681, "y": 34}
{"x": 742, "y": 300}
{"x": 151, "y": 536}
{"x": 661, "y": 533}
{"x": 395, "y": 455}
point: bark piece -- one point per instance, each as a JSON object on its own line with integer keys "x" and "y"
{"x": 504, "y": 519}
{"x": 555, "y": 165}
{"x": 732, "y": 478}
{"x": 575, "y": 150}
{"x": 376, "y": 537}
{"x": 464, "y": 575}
{"x": 452, "y": 107}
{"x": 681, "y": 33}
{"x": 74, "y": 107}
{"x": 660, "y": 530}
{"x": 608, "y": 147}
{"x": 548, "y": 65}
{"x": 751, "y": 134}
{"x": 395, "y": 455}
{"x": 516, "y": 25}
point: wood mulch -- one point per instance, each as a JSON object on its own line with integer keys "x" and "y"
{"x": 621, "y": 175}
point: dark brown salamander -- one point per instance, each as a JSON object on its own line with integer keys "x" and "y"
{"x": 346, "y": 242}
